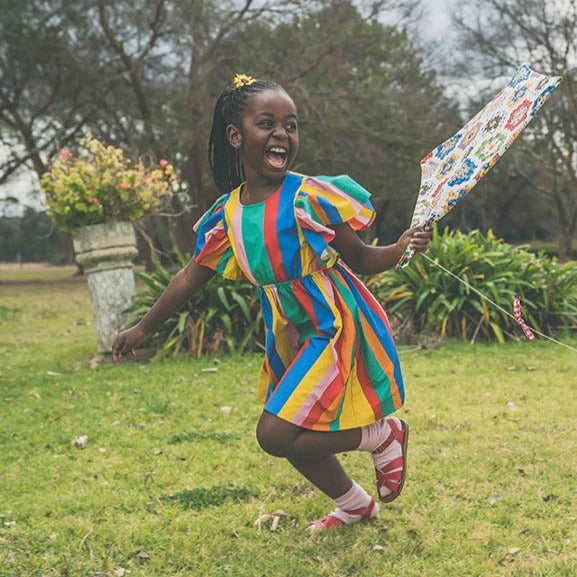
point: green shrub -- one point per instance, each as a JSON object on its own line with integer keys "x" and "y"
{"x": 222, "y": 315}
{"x": 100, "y": 184}
{"x": 430, "y": 299}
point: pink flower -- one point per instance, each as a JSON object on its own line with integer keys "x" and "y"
{"x": 93, "y": 200}
{"x": 65, "y": 154}
{"x": 124, "y": 186}
{"x": 163, "y": 162}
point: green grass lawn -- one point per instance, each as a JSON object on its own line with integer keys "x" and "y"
{"x": 171, "y": 480}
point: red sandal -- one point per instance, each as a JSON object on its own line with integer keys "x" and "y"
{"x": 391, "y": 474}
{"x": 332, "y": 520}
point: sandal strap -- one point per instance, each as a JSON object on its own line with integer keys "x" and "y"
{"x": 391, "y": 474}
{"x": 368, "y": 514}
{"x": 327, "y": 522}
{"x": 395, "y": 434}
{"x": 393, "y": 465}
{"x": 331, "y": 520}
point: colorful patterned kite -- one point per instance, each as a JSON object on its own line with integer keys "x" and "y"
{"x": 450, "y": 171}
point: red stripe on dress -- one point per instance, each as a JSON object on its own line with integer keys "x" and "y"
{"x": 334, "y": 391}
{"x": 271, "y": 242}
{"x": 305, "y": 300}
{"x": 367, "y": 296}
{"x": 324, "y": 405}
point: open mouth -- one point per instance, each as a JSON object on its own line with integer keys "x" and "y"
{"x": 277, "y": 156}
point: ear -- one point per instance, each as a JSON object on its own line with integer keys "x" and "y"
{"x": 234, "y": 136}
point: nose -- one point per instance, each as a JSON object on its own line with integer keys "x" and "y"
{"x": 280, "y": 133}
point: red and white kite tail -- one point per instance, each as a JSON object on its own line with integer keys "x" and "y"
{"x": 517, "y": 315}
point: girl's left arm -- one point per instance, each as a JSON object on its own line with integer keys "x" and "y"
{"x": 368, "y": 259}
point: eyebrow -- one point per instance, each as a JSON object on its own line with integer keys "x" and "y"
{"x": 266, "y": 113}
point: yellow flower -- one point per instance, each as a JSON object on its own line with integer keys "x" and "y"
{"x": 241, "y": 80}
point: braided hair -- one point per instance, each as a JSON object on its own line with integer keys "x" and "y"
{"x": 223, "y": 158}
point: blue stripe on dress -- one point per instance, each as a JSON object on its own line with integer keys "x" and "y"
{"x": 298, "y": 372}
{"x": 273, "y": 357}
{"x": 288, "y": 242}
{"x": 323, "y": 313}
{"x": 332, "y": 213}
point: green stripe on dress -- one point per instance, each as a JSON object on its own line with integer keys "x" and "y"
{"x": 252, "y": 224}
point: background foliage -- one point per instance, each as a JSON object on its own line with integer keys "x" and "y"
{"x": 424, "y": 297}
{"x": 495, "y": 36}
{"x": 222, "y": 316}
{"x": 144, "y": 76}
{"x": 98, "y": 183}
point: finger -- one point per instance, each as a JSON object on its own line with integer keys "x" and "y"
{"x": 419, "y": 244}
{"x": 117, "y": 347}
{"x": 421, "y": 240}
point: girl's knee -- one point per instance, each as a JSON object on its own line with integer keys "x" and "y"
{"x": 271, "y": 437}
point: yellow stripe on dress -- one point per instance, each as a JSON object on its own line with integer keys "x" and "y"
{"x": 324, "y": 363}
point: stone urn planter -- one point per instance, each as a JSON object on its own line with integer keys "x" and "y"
{"x": 106, "y": 251}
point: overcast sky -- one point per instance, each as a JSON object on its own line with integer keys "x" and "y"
{"x": 436, "y": 22}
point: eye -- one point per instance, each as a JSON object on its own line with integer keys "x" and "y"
{"x": 265, "y": 123}
{"x": 292, "y": 126}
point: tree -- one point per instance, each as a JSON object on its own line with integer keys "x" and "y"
{"x": 497, "y": 36}
{"x": 367, "y": 104}
{"x": 145, "y": 75}
{"x": 44, "y": 84}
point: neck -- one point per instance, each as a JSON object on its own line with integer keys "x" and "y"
{"x": 257, "y": 189}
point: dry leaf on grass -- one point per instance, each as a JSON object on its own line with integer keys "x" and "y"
{"x": 275, "y": 517}
{"x": 80, "y": 442}
{"x": 143, "y": 556}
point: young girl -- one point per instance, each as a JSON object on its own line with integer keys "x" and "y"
{"x": 331, "y": 372}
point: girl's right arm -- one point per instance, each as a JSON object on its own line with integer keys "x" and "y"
{"x": 184, "y": 283}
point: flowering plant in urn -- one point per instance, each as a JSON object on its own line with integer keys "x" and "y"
{"x": 100, "y": 184}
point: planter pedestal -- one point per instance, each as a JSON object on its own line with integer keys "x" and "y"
{"x": 106, "y": 252}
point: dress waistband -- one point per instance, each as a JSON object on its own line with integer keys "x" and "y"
{"x": 292, "y": 280}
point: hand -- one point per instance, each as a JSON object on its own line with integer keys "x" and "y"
{"x": 416, "y": 238}
{"x": 126, "y": 341}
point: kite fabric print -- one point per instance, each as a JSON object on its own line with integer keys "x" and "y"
{"x": 450, "y": 171}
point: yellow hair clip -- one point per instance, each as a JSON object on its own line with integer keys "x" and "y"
{"x": 241, "y": 80}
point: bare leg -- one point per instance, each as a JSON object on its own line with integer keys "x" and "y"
{"x": 283, "y": 439}
{"x": 353, "y": 503}
{"x": 325, "y": 473}
{"x": 312, "y": 453}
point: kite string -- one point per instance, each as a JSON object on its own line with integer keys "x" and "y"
{"x": 504, "y": 311}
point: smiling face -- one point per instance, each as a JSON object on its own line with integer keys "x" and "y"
{"x": 267, "y": 138}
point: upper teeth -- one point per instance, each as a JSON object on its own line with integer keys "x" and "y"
{"x": 277, "y": 149}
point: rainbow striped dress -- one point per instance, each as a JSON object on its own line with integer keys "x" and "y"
{"x": 330, "y": 361}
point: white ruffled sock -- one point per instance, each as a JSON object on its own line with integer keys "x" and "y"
{"x": 351, "y": 507}
{"x": 374, "y": 435}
